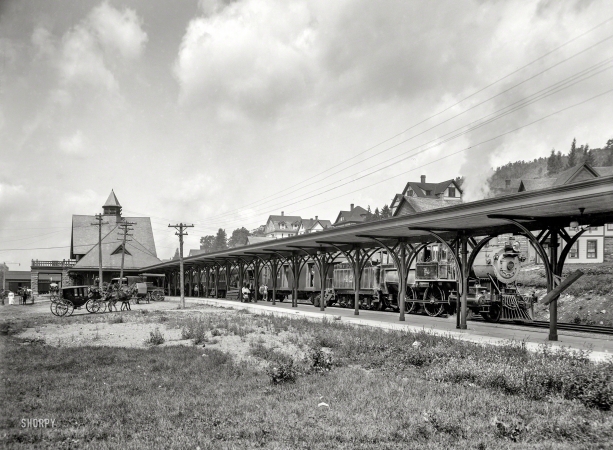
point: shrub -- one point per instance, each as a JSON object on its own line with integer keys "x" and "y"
{"x": 216, "y": 332}
{"x": 155, "y": 337}
{"x": 321, "y": 360}
{"x": 282, "y": 372}
{"x": 195, "y": 329}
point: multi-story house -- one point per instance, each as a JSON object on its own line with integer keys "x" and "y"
{"x": 313, "y": 225}
{"x": 422, "y": 196}
{"x": 356, "y": 214}
{"x": 282, "y": 226}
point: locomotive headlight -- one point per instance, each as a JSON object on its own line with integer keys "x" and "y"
{"x": 517, "y": 246}
{"x": 510, "y": 265}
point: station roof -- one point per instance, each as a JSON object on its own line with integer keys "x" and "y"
{"x": 536, "y": 210}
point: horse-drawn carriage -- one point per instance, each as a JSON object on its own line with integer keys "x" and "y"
{"x": 94, "y": 300}
{"x": 146, "y": 287}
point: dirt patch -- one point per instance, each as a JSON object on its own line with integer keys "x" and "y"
{"x": 133, "y": 330}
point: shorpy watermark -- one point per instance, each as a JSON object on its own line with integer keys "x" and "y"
{"x": 37, "y": 423}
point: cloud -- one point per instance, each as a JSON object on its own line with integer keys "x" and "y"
{"x": 82, "y": 61}
{"x": 92, "y": 49}
{"x": 250, "y": 58}
{"x": 73, "y": 145}
{"x": 119, "y": 31}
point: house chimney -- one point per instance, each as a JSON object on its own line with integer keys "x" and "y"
{"x": 282, "y": 213}
{"x": 316, "y": 217}
{"x": 423, "y": 179}
{"x": 351, "y": 207}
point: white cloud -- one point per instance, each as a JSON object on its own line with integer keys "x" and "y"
{"x": 119, "y": 30}
{"x": 252, "y": 57}
{"x": 82, "y": 61}
{"x": 73, "y": 145}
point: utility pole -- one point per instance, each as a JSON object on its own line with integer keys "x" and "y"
{"x": 99, "y": 225}
{"x": 125, "y": 227}
{"x": 181, "y": 232}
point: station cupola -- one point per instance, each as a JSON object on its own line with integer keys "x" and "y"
{"x": 112, "y": 206}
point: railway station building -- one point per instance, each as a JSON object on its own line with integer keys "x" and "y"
{"x": 83, "y": 265}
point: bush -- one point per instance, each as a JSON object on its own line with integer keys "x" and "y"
{"x": 117, "y": 319}
{"x": 155, "y": 337}
{"x": 196, "y": 330}
{"x": 282, "y": 372}
{"x": 321, "y": 360}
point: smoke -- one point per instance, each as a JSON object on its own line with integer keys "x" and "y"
{"x": 477, "y": 170}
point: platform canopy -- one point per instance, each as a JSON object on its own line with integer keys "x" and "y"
{"x": 588, "y": 203}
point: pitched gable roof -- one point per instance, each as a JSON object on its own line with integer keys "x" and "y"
{"x": 575, "y": 174}
{"x": 356, "y": 215}
{"x": 277, "y": 220}
{"x": 411, "y": 205}
{"x": 140, "y": 250}
{"x": 309, "y": 224}
{"x": 435, "y": 189}
{"x": 604, "y": 171}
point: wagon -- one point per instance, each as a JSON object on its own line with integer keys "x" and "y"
{"x": 70, "y": 298}
{"x": 148, "y": 288}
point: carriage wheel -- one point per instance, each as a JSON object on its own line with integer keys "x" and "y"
{"x": 70, "y": 308}
{"x": 432, "y": 298}
{"x": 53, "y": 308}
{"x": 157, "y": 296}
{"x": 89, "y": 305}
{"x": 94, "y": 306}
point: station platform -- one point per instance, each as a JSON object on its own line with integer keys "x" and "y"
{"x": 600, "y": 346}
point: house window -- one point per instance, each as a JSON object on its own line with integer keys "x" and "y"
{"x": 428, "y": 192}
{"x": 592, "y": 249}
{"x": 574, "y": 251}
{"x": 451, "y": 192}
{"x": 610, "y": 226}
{"x": 410, "y": 193}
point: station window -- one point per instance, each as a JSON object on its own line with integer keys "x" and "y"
{"x": 592, "y": 249}
{"x": 574, "y": 251}
{"x": 451, "y": 192}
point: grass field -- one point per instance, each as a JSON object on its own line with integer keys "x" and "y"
{"x": 339, "y": 387}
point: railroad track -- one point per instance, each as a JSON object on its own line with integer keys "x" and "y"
{"x": 595, "y": 329}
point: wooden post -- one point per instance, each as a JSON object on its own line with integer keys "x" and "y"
{"x": 274, "y": 264}
{"x": 402, "y": 281}
{"x": 553, "y": 306}
{"x": 464, "y": 275}
{"x": 216, "y": 280}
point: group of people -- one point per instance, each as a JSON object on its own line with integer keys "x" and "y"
{"x": 263, "y": 290}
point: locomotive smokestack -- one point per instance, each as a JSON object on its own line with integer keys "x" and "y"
{"x": 351, "y": 207}
{"x": 423, "y": 179}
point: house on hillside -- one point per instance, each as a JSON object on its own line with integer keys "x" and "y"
{"x": 356, "y": 214}
{"x": 596, "y": 244}
{"x": 282, "y": 226}
{"x": 422, "y": 196}
{"x": 139, "y": 249}
{"x": 313, "y": 225}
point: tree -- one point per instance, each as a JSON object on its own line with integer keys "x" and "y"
{"x": 608, "y": 160}
{"x": 588, "y": 155}
{"x": 377, "y": 214}
{"x": 386, "y": 213}
{"x": 206, "y": 243}
{"x": 176, "y": 257}
{"x": 239, "y": 237}
{"x": 573, "y": 156}
{"x": 551, "y": 162}
{"x": 221, "y": 241}
{"x": 559, "y": 162}
{"x": 459, "y": 181}
{"x": 369, "y": 215}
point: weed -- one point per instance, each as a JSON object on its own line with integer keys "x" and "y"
{"x": 117, "y": 319}
{"x": 155, "y": 338}
{"x": 321, "y": 360}
{"x": 215, "y": 332}
{"x": 195, "y": 329}
{"x": 282, "y": 372}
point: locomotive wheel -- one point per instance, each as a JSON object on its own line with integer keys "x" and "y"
{"x": 432, "y": 296}
{"x": 409, "y": 307}
{"x": 494, "y": 314}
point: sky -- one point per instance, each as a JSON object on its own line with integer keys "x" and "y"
{"x": 220, "y": 113}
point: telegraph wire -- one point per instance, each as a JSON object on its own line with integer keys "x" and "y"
{"x": 276, "y": 196}
{"x": 543, "y": 93}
